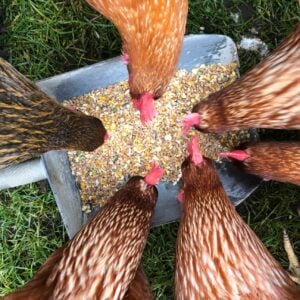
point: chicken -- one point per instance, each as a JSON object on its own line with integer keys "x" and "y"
{"x": 273, "y": 161}
{"x": 139, "y": 288}
{"x": 102, "y": 259}
{"x": 32, "y": 123}
{"x": 217, "y": 255}
{"x": 268, "y": 96}
{"x": 270, "y": 160}
{"x": 152, "y": 34}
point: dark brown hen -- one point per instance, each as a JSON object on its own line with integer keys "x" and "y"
{"x": 32, "y": 123}
{"x": 139, "y": 288}
{"x": 217, "y": 255}
{"x": 268, "y": 96}
{"x": 270, "y": 160}
{"x": 101, "y": 260}
{"x": 152, "y": 34}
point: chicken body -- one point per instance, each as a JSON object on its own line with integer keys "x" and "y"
{"x": 152, "y": 34}
{"x": 270, "y": 160}
{"x": 32, "y": 123}
{"x": 217, "y": 255}
{"x": 139, "y": 288}
{"x": 102, "y": 259}
{"x": 268, "y": 96}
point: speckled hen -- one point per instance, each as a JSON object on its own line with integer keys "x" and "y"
{"x": 217, "y": 255}
{"x": 152, "y": 34}
{"x": 101, "y": 260}
{"x": 139, "y": 288}
{"x": 270, "y": 160}
{"x": 32, "y": 123}
{"x": 268, "y": 96}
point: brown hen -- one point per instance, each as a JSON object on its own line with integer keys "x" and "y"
{"x": 152, "y": 34}
{"x": 32, "y": 123}
{"x": 139, "y": 288}
{"x": 268, "y": 96}
{"x": 270, "y": 160}
{"x": 217, "y": 255}
{"x": 101, "y": 260}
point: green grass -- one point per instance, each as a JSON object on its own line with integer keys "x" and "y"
{"x": 45, "y": 38}
{"x": 30, "y": 230}
{"x": 50, "y": 37}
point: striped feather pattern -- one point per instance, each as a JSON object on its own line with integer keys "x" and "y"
{"x": 274, "y": 160}
{"x": 101, "y": 261}
{"x": 32, "y": 123}
{"x": 218, "y": 256}
{"x": 139, "y": 288}
{"x": 268, "y": 96}
{"x": 152, "y": 34}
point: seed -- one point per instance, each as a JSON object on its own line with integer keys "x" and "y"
{"x": 132, "y": 147}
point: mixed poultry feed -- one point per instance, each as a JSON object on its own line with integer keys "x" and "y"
{"x": 132, "y": 146}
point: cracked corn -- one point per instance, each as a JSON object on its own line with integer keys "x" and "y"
{"x": 132, "y": 147}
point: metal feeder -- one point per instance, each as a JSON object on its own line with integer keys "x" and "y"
{"x": 54, "y": 165}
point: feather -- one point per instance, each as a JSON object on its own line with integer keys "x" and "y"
{"x": 32, "y": 123}
{"x": 101, "y": 260}
{"x": 139, "y": 288}
{"x": 218, "y": 256}
{"x": 268, "y": 96}
{"x": 152, "y": 35}
{"x": 271, "y": 160}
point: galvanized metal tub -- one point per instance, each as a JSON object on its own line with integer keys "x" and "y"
{"x": 54, "y": 165}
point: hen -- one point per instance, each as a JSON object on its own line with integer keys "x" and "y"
{"x": 217, "y": 255}
{"x": 268, "y": 96}
{"x": 270, "y": 160}
{"x": 139, "y": 288}
{"x": 102, "y": 259}
{"x": 152, "y": 34}
{"x": 32, "y": 123}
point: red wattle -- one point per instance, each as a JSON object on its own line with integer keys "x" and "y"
{"x": 125, "y": 58}
{"x": 194, "y": 151}
{"x": 180, "y": 196}
{"x": 239, "y": 155}
{"x": 146, "y": 107}
{"x": 189, "y": 121}
{"x": 154, "y": 175}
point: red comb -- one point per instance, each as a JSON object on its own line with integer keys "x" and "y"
{"x": 194, "y": 151}
{"x": 189, "y": 121}
{"x": 125, "y": 58}
{"x": 136, "y": 104}
{"x": 106, "y": 137}
{"x": 180, "y": 196}
{"x": 71, "y": 107}
{"x": 155, "y": 174}
{"x": 146, "y": 107}
{"x": 236, "y": 154}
